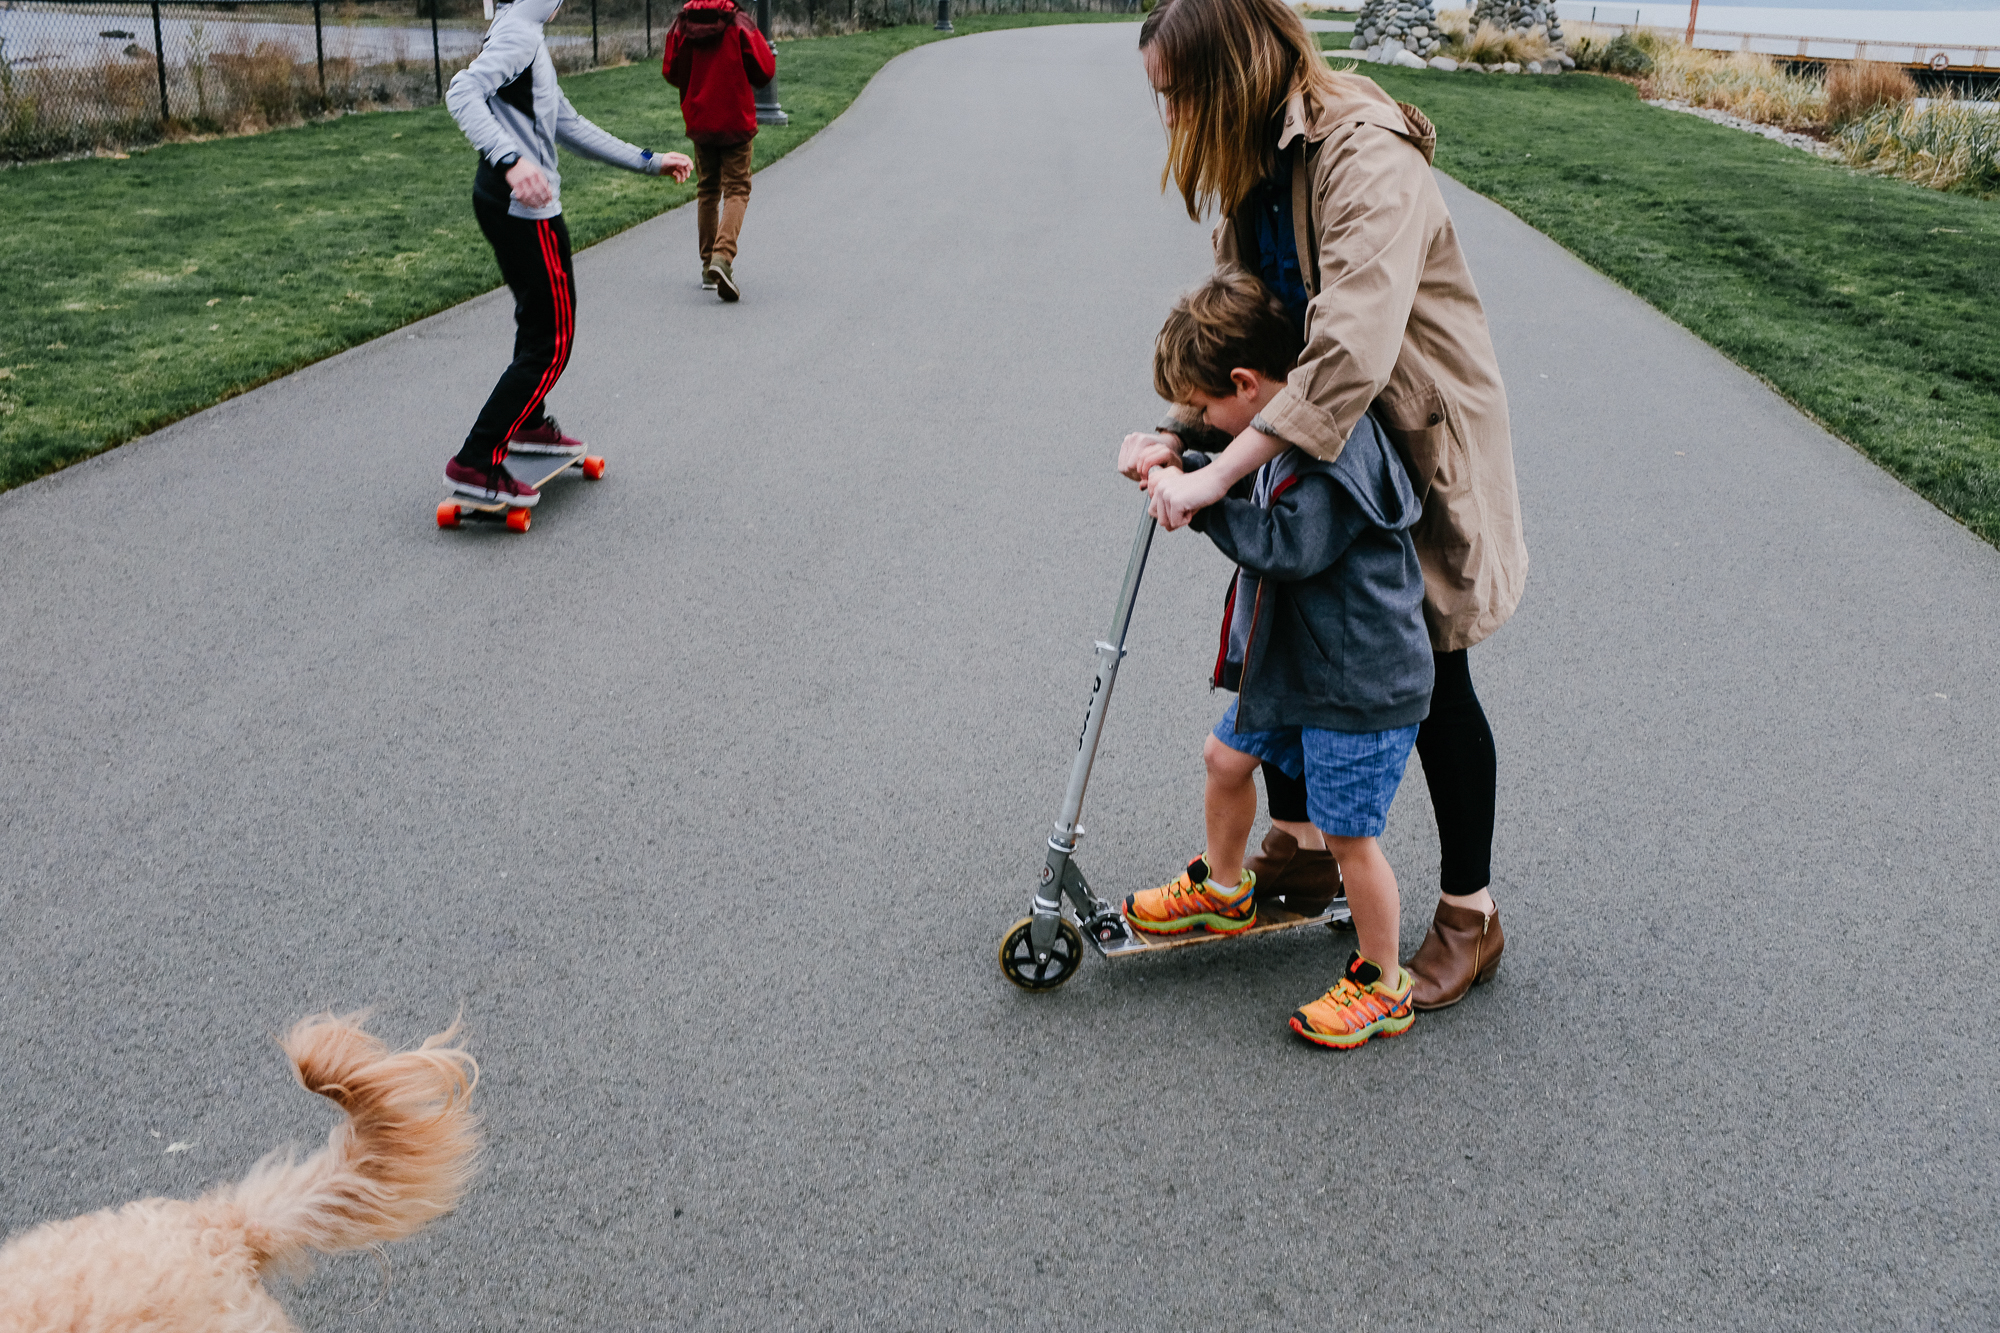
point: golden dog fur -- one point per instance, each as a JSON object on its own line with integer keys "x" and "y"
{"x": 402, "y": 1158}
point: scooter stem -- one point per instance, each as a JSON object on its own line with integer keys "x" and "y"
{"x": 1110, "y": 651}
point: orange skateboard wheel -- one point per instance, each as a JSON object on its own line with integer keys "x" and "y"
{"x": 593, "y": 467}
{"x": 447, "y": 515}
{"x": 517, "y": 519}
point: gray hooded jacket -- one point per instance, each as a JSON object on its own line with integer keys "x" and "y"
{"x": 1324, "y": 625}
{"x": 507, "y": 101}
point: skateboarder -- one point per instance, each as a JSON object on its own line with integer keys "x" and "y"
{"x": 508, "y": 104}
{"x": 717, "y": 58}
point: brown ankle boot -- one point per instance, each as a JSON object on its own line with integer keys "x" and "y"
{"x": 1462, "y": 950}
{"x": 1293, "y": 879}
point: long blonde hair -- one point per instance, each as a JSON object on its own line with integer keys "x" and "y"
{"x": 1228, "y": 67}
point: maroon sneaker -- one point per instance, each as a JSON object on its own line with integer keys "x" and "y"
{"x": 494, "y": 485}
{"x": 546, "y": 438}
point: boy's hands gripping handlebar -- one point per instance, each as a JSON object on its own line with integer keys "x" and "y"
{"x": 1141, "y": 453}
{"x": 1154, "y": 461}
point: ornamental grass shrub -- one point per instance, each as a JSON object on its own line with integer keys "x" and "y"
{"x": 1948, "y": 145}
{"x": 1488, "y": 45}
{"x": 1741, "y": 83}
{"x": 1859, "y": 87}
{"x": 1626, "y": 53}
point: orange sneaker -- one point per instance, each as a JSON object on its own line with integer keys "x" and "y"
{"x": 1360, "y": 1005}
{"x": 1194, "y": 900}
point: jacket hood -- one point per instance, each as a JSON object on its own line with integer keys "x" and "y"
{"x": 537, "y": 12}
{"x": 1371, "y": 471}
{"x": 1356, "y": 101}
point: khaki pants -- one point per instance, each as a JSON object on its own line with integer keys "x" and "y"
{"x": 724, "y": 180}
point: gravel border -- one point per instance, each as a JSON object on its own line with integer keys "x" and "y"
{"x": 1805, "y": 143}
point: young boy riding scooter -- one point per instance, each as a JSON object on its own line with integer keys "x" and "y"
{"x": 1323, "y": 640}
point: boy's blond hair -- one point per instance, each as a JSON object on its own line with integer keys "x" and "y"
{"x": 1230, "y": 322}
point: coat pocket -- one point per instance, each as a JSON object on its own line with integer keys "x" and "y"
{"x": 1414, "y": 420}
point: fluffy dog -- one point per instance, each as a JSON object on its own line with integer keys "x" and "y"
{"x": 403, "y": 1157}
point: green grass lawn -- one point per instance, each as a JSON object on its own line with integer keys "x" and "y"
{"x": 1872, "y": 304}
{"x": 152, "y": 287}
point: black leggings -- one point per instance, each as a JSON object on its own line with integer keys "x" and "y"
{"x": 534, "y": 259}
{"x": 1460, "y": 768}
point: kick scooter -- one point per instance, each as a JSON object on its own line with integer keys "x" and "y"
{"x": 1044, "y": 949}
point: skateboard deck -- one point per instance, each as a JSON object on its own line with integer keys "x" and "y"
{"x": 1269, "y": 919}
{"x": 538, "y": 470}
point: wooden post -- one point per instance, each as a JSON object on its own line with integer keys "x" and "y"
{"x": 437, "y": 61}
{"x": 319, "y": 48}
{"x": 160, "y": 60}
{"x": 1694, "y": 7}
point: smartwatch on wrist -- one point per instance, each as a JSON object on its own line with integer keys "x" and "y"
{"x": 506, "y": 161}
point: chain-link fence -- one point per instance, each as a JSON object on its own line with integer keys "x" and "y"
{"x": 82, "y": 74}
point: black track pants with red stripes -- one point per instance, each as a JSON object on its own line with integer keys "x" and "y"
{"x": 534, "y": 258}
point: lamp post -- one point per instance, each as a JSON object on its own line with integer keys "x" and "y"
{"x": 768, "y": 110}
{"x": 944, "y": 16}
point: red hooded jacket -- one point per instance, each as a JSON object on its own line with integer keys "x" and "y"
{"x": 716, "y": 57}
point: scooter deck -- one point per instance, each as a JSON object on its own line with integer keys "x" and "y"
{"x": 1269, "y": 921}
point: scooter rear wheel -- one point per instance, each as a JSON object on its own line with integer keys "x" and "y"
{"x": 1018, "y": 961}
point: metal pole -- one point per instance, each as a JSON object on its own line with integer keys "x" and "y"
{"x": 437, "y": 61}
{"x": 944, "y": 16}
{"x": 319, "y": 49}
{"x": 649, "y": 28}
{"x": 593, "y": 32}
{"x": 160, "y": 60}
{"x": 768, "y": 110}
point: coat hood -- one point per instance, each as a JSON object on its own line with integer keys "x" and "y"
{"x": 1356, "y": 101}
{"x": 537, "y": 12}
{"x": 1370, "y": 470}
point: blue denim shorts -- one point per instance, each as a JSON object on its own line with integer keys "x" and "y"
{"x": 1351, "y": 776}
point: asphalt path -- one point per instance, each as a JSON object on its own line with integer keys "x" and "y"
{"x": 710, "y": 798}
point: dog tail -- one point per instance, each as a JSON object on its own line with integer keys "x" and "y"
{"x": 402, "y": 1158}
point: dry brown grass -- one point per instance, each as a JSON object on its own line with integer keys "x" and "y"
{"x": 1854, "y": 90}
{"x": 1741, "y": 83}
{"x": 1488, "y": 45}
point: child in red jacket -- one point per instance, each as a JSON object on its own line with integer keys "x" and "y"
{"x": 716, "y": 57}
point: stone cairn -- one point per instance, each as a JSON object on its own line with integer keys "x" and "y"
{"x": 1412, "y": 24}
{"x": 1522, "y": 16}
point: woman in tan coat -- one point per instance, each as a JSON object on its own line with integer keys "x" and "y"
{"x": 1324, "y": 187}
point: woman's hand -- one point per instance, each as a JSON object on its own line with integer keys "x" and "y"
{"x": 678, "y": 165}
{"x": 1178, "y": 495}
{"x": 529, "y": 185}
{"x": 1141, "y": 453}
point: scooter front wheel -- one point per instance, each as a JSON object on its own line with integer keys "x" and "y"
{"x": 1018, "y": 961}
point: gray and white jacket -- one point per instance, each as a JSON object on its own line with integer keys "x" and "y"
{"x": 507, "y": 102}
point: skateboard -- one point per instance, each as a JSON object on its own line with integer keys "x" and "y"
{"x": 538, "y": 470}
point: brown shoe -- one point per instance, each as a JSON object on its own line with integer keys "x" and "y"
{"x": 1293, "y": 879}
{"x": 1462, "y": 950}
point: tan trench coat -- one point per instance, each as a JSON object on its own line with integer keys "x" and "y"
{"x": 1396, "y": 324}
